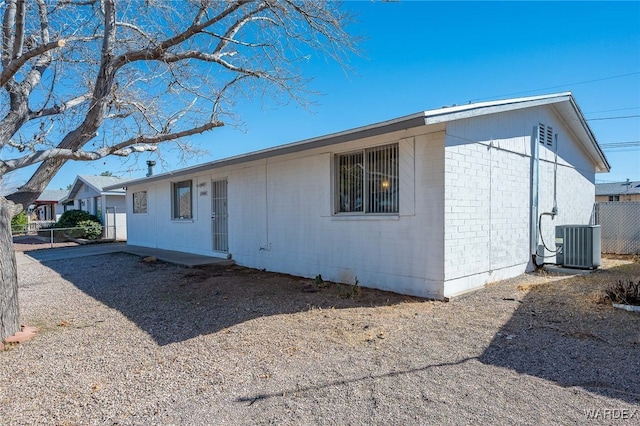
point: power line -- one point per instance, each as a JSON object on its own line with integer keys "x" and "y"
{"x": 613, "y": 118}
{"x": 620, "y": 146}
{"x": 625, "y": 143}
{"x": 557, "y": 87}
{"x": 612, "y": 110}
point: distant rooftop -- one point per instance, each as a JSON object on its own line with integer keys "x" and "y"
{"x": 100, "y": 182}
{"x": 51, "y": 196}
{"x": 618, "y": 188}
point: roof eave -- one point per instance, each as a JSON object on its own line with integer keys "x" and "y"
{"x": 398, "y": 124}
{"x": 602, "y": 164}
{"x": 402, "y": 123}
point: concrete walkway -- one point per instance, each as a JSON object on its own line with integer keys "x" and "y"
{"x": 179, "y": 258}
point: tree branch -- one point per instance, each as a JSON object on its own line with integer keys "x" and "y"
{"x": 207, "y": 57}
{"x": 164, "y": 137}
{"x": 158, "y": 52}
{"x": 70, "y": 154}
{"x": 18, "y": 35}
{"x": 59, "y": 109}
{"x": 231, "y": 33}
{"x": 138, "y": 144}
{"x": 14, "y": 65}
{"x": 8, "y": 24}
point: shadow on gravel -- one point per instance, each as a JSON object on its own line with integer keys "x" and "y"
{"x": 564, "y": 332}
{"x": 251, "y": 399}
{"x": 173, "y": 303}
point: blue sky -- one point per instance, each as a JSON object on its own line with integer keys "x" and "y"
{"x": 423, "y": 55}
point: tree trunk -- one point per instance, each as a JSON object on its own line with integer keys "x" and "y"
{"x": 9, "y": 315}
{"x": 28, "y": 193}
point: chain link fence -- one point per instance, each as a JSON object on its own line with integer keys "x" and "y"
{"x": 620, "y": 224}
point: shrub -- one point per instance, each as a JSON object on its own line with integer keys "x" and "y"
{"x": 19, "y": 222}
{"x": 627, "y": 293}
{"x": 71, "y": 218}
{"x": 349, "y": 291}
{"x": 91, "y": 230}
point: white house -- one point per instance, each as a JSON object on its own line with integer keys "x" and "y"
{"x": 432, "y": 204}
{"x": 88, "y": 193}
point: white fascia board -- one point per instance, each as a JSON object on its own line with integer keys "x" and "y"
{"x": 476, "y": 110}
{"x": 593, "y": 148}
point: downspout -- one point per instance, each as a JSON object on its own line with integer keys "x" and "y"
{"x": 535, "y": 188}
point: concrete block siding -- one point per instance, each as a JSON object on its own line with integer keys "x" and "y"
{"x": 464, "y": 201}
{"x": 487, "y": 194}
{"x": 281, "y": 218}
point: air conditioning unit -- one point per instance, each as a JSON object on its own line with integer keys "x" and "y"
{"x": 578, "y": 246}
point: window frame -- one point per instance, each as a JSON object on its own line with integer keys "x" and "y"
{"x": 146, "y": 202}
{"x": 175, "y": 200}
{"x": 367, "y": 183}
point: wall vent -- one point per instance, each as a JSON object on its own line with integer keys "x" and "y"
{"x": 545, "y": 135}
{"x": 578, "y": 246}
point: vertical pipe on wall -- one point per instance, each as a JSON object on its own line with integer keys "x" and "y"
{"x": 535, "y": 187}
{"x": 266, "y": 202}
{"x": 554, "y": 210}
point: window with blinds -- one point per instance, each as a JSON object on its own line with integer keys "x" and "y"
{"x": 367, "y": 181}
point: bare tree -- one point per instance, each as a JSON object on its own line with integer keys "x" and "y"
{"x": 83, "y": 79}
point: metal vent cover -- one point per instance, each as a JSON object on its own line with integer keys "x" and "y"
{"x": 545, "y": 134}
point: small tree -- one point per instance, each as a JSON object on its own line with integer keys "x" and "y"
{"x": 85, "y": 79}
{"x": 19, "y": 222}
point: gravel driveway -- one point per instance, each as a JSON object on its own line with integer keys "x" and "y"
{"x": 127, "y": 342}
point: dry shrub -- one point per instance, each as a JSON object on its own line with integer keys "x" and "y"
{"x": 625, "y": 292}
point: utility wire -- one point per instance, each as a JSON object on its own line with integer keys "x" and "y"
{"x": 611, "y": 110}
{"x": 613, "y": 118}
{"x": 556, "y": 87}
{"x": 620, "y": 144}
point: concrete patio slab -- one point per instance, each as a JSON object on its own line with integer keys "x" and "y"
{"x": 179, "y": 258}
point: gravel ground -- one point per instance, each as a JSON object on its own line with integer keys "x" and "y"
{"x": 126, "y": 342}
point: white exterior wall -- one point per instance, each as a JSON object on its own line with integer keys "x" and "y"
{"x": 118, "y": 202}
{"x": 84, "y": 199}
{"x": 280, "y": 218}
{"x": 488, "y": 194}
{"x": 464, "y": 218}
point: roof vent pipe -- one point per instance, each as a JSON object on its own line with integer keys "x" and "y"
{"x": 150, "y": 165}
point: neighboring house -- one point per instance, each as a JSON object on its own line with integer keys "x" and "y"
{"x": 48, "y": 206}
{"x": 432, "y": 204}
{"x": 618, "y": 191}
{"x": 88, "y": 193}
